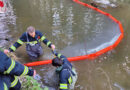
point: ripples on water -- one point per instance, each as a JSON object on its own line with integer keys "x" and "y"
{"x": 69, "y": 25}
{"x": 6, "y": 19}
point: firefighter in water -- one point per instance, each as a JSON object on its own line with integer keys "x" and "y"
{"x": 67, "y": 73}
{"x": 9, "y": 72}
{"x": 33, "y": 39}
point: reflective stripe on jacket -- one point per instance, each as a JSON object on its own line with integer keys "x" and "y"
{"x": 11, "y": 67}
{"x": 7, "y": 81}
{"x": 39, "y": 37}
{"x": 66, "y": 72}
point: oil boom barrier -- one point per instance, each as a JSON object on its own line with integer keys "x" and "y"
{"x": 92, "y": 55}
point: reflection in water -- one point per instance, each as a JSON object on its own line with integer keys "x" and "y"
{"x": 106, "y": 3}
{"x": 118, "y": 86}
{"x": 75, "y": 30}
{"x": 107, "y": 77}
{"x": 126, "y": 65}
{"x": 69, "y": 26}
{"x": 6, "y": 19}
{"x": 62, "y": 27}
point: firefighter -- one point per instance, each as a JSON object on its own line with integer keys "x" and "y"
{"x": 9, "y": 72}
{"x": 67, "y": 73}
{"x": 33, "y": 39}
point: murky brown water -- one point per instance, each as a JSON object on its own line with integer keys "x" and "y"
{"x": 60, "y": 21}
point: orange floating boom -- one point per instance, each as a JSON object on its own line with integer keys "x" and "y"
{"x": 93, "y": 55}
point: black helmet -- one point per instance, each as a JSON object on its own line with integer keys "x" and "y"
{"x": 57, "y": 61}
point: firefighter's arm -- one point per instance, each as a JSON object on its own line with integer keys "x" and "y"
{"x": 15, "y": 68}
{"x": 58, "y": 55}
{"x": 18, "y": 43}
{"x": 46, "y": 41}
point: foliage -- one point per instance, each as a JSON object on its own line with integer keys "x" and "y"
{"x": 28, "y": 83}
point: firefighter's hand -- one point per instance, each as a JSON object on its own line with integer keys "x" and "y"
{"x": 6, "y": 51}
{"x": 34, "y": 74}
{"x": 53, "y": 47}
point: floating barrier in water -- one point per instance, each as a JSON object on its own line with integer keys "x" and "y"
{"x": 92, "y": 53}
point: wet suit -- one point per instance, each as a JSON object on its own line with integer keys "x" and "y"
{"x": 67, "y": 74}
{"x": 33, "y": 45}
{"x": 9, "y": 72}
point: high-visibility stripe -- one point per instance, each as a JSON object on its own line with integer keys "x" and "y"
{"x": 48, "y": 43}
{"x": 14, "y": 82}
{"x": 11, "y": 67}
{"x": 42, "y": 38}
{"x": 25, "y": 71}
{"x": 63, "y": 86}
{"x": 5, "y": 87}
{"x": 13, "y": 48}
{"x": 33, "y": 42}
{"x": 70, "y": 80}
{"x": 59, "y": 55}
{"x": 20, "y": 41}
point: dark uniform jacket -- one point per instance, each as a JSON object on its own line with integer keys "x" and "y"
{"x": 65, "y": 72}
{"x": 39, "y": 37}
{"x": 9, "y": 70}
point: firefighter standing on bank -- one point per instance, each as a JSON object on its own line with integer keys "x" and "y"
{"x": 9, "y": 72}
{"x": 33, "y": 39}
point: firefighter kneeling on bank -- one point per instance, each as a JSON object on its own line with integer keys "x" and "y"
{"x": 9, "y": 72}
